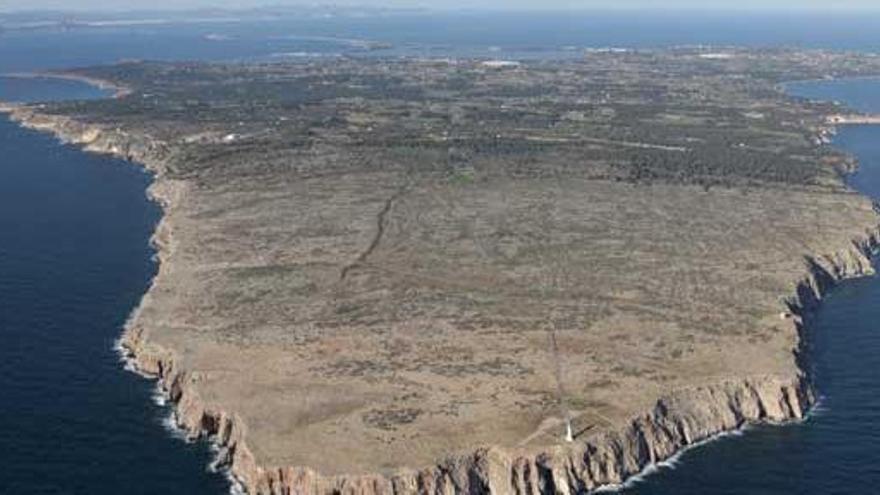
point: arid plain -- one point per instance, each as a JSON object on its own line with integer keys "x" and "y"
{"x": 365, "y": 264}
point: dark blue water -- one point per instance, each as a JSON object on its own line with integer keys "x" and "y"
{"x": 836, "y": 451}
{"x": 74, "y": 260}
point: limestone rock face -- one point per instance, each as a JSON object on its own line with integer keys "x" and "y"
{"x": 265, "y": 323}
{"x": 677, "y": 421}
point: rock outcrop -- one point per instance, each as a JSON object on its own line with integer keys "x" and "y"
{"x": 677, "y": 420}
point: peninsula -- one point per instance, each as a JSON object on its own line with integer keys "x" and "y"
{"x": 407, "y": 276}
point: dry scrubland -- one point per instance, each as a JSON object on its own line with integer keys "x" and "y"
{"x": 363, "y": 261}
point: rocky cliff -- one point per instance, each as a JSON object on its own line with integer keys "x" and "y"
{"x": 681, "y": 419}
{"x": 677, "y": 420}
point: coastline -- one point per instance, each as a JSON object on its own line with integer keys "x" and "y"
{"x": 119, "y": 91}
{"x": 681, "y": 420}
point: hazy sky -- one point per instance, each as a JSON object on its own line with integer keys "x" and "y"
{"x": 495, "y": 4}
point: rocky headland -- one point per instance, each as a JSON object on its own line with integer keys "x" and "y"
{"x": 357, "y": 292}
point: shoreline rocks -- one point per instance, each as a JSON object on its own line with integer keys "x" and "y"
{"x": 676, "y": 421}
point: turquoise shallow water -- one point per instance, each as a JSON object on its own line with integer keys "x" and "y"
{"x": 74, "y": 260}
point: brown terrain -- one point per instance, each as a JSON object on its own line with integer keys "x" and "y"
{"x": 409, "y": 292}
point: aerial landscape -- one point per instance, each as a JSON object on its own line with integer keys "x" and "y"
{"x": 405, "y": 269}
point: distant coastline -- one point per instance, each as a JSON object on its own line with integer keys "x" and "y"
{"x": 118, "y": 91}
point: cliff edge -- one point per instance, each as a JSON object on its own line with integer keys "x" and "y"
{"x": 348, "y": 312}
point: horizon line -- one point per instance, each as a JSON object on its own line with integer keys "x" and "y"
{"x": 451, "y": 9}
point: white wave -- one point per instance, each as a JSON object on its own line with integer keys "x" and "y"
{"x": 219, "y": 462}
{"x": 220, "y": 465}
{"x": 820, "y": 408}
{"x": 159, "y": 396}
{"x": 118, "y": 347}
{"x": 169, "y": 422}
{"x": 125, "y": 357}
{"x": 670, "y": 464}
{"x": 216, "y": 465}
{"x": 236, "y": 487}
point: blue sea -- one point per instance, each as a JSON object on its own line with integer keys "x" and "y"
{"x": 477, "y": 34}
{"x": 75, "y": 257}
{"x": 836, "y": 450}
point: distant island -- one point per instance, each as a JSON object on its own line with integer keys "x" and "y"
{"x": 65, "y": 20}
{"x": 474, "y": 276}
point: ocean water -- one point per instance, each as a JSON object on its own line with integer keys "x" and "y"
{"x": 476, "y": 34}
{"x": 75, "y": 259}
{"x": 836, "y": 450}
{"x": 34, "y": 89}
